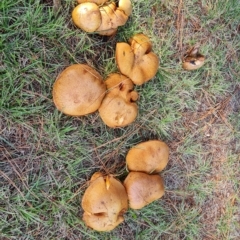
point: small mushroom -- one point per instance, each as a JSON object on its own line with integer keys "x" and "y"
{"x": 104, "y": 203}
{"x": 118, "y": 107}
{"x": 136, "y": 59}
{"x": 149, "y": 157}
{"x": 193, "y": 60}
{"x": 143, "y": 189}
{"x": 78, "y": 90}
{"x": 101, "y": 16}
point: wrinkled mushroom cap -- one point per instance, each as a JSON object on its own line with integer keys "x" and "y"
{"x": 100, "y": 222}
{"x": 104, "y": 203}
{"x": 193, "y": 59}
{"x": 78, "y": 90}
{"x": 87, "y": 16}
{"x": 112, "y": 18}
{"x": 149, "y": 157}
{"x": 140, "y": 44}
{"x": 143, "y": 189}
{"x": 101, "y": 16}
{"x": 136, "y": 59}
{"x": 118, "y": 107}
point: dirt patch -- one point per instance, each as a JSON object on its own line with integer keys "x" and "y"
{"x": 47, "y": 2}
{"x": 20, "y": 153}
{"x": 213, "y": 122}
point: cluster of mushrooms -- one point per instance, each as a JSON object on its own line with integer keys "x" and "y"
{"x": 101, "y": 16}
{"x": 80, "y": 90}
{"x": 107, "y": 199}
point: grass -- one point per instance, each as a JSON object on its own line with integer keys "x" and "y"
{"x": 46, "y": 158}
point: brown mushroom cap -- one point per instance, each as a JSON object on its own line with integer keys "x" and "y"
{"x": 87, "y": 16}
{"x": 193, "y": 59}
{"x": 143, "y": 189}
{"x": 78, "y": 90}
{"x": 149, "y": 157}
{"x": 136, "y": 60}
{"x": 104, "y": 203}
{"x": 118, "y": 107}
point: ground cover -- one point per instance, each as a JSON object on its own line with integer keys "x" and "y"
{"x": 46, "y": 158}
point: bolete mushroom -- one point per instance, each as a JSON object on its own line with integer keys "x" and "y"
{"x": 78, "y": 90}
{"x": 118, "y": 108}
{"x": 143, "y": 189}
{"x": 101, "y": 16}
{"x": 193, "y": 60}
{"x": 136, "y": 59}
{"x": 149, "y": 157}
{"x": 104, "y": 203}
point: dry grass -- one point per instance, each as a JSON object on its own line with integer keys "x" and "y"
{"x": 47, "y": 158}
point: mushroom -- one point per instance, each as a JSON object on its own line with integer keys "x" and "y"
{"x": 136, "y": 59}
{"x": 101, "y": 16}
{"x": 193, "y": 60}
{"x": 125, "y": 6}
{"x": 118, "y": 107}
{"x": 149, "y": 157}
{"x": 143, "y": 189}
{"x": 78, "y": 90}
{"x": 87, "y": 16}
{"x": 111, "y": 18}
{"x": 104, "y": 203}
